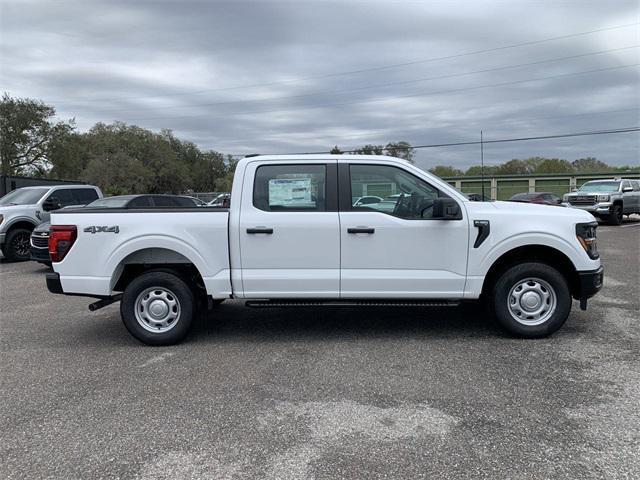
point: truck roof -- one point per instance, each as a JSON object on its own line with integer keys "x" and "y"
{"x": 62, "y": 185}
{"x": 322, "y": 156}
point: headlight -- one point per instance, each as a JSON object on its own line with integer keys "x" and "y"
{"x": 586, "y": 234}
{"x": 603, "y": 198}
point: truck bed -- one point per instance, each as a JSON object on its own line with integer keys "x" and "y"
{"x": 197, "y": 235}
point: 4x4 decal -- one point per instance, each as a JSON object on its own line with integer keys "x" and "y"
{"x": 99, "y": 229}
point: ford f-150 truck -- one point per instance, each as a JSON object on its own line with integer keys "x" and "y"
{"x": 293, "y": 236}
{"x": 24, "y": 208}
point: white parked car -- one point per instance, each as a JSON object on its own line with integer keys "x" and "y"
{"x": 292, "y": 236}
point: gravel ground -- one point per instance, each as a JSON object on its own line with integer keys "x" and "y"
{"x": 321, "y": 393}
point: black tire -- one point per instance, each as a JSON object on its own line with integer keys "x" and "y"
{"x": 616, "y": 215}
{"x": 164, "y": 282}
{"x": 17, "y": 247}
{"x": 523, "y": 327}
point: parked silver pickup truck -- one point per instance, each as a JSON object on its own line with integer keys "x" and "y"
{"x": 24, "y": 208}
{"x": 607, "y": 199}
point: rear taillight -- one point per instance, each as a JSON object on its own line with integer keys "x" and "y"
{"x": 61, "y": 239}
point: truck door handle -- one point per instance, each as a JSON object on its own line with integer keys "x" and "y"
{"x": 361, "y": 230}
{"x": 255, "y": 230}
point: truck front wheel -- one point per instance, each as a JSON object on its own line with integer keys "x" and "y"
{"x": 616, "y": 215}
{"x": 531, "y": 300}
{"x": 17, "y": 247}
{"x": 157, "y": 308}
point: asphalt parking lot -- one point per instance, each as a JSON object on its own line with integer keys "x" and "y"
{"x": 322, "y": 393}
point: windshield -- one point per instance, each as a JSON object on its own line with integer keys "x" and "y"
{"x": 111, "y": 202}
{"x": 24, "y": 196}
{"x": 600, "y": 187}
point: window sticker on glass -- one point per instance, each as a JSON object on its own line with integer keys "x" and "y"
{"x": 287, "y": 192}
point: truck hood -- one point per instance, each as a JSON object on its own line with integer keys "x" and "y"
{"x": 9, "y": 209}
{"x": 589, "y": 192}
{"x": 532, "y": 209}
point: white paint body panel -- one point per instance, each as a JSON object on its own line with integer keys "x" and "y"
{"x": 91, "y": 265}
{"x": 310, "y": 254}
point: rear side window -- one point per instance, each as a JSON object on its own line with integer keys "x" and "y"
{"x": 290, "y": 188}
{"x": 165, "y": 201}
{"x": 83, "y": 196}
{"x": 636, "y": 185}
{"x": 185, "y": 202}
{"x": 140, "y": 202}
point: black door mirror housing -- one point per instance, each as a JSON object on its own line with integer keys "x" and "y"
{"x": 446, "y": 209}
{"x": 51, "y": 204}
{"x": 627, "y": 189}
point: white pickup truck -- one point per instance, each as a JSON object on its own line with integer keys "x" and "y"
{"x": 295, "y": 235}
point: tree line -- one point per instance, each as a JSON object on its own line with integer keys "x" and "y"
{"x": 123, "y": 159}
{"x": 532, "y": 166}
{"x": 117, "y": 157}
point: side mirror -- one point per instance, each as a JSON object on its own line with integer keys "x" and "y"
{"x": 446, "y": 209}
{"x": 51, "y": 203}
{"x": 627, "y": 189}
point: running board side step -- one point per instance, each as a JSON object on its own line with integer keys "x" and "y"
{"x": 351, "y": 303}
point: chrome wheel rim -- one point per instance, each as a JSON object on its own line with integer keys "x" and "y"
{"x": 157, "y": 309}
{"x": 532, "y": 301}
{"x": 21, "y": 245}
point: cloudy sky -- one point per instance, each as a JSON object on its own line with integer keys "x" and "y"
{"x": 295, "y": 76}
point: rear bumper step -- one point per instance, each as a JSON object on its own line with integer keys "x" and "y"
{"x": 350, "y": 303}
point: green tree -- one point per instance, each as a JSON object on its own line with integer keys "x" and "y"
{"x": 554, "y": 165}
{"x": 400, "y": 150}
{"x": 26, "y": 132}
{"x": 477, "y": 170}
{"x": 590, "y": 165}
{"x": 369, "y": 150}
{"x": 445, "y": 171}
{"x": 335, "y": 151}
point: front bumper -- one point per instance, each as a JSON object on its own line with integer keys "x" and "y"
{"x": 589, "y": 283}
{"x": 603, "y": 208}
{"x": 40, "y": 254}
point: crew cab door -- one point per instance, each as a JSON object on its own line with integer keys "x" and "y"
{"x": 289, "y": 230}
{"x": 395, "y": 248}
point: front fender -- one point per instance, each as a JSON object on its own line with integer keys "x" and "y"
{"x": 21, "y": 218}
{"x": 574, "y": 253}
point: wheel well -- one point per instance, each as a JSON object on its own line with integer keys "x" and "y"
{"x": 21, "y": 224}
{"x": 157, "y": 259}
{"x": 533, "y": 253}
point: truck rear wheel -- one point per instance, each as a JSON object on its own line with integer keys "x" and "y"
{"x": 157, "y": 308}
{"x": 531, "y": 300}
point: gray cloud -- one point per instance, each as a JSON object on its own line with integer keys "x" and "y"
{"x": 244, "y": 77}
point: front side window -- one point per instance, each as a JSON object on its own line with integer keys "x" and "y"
{"x": 63, "y": 197}
{"x": 292, "y": 188}
{"x": 404, "y": 195}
